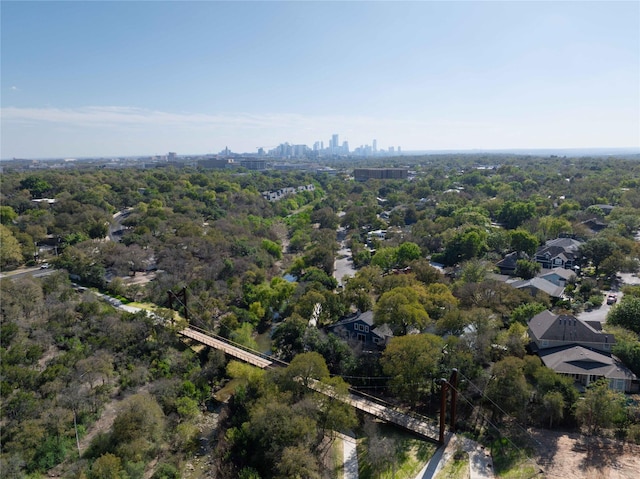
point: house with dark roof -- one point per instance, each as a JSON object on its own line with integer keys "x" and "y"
{"x": 360, "y": 327}
{"x": 585, "y": 366}
{"x": 507, "y": 265}
{"x": 595, "y": 225}
{"x": 548, "y": 330}
{"x": 579, "y": 349}
{"x": 559, "y": 253}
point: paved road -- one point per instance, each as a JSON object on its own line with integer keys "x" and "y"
{"x": 35, "y": 271}
{"x": 343, "y": 265}
{"x": 600, "y": 314}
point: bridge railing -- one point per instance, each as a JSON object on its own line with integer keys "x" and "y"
{"x": 276, "y": 361}
{"x": 391, "y": 406}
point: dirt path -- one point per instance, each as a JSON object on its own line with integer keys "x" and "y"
{"x": 573, "y": 456}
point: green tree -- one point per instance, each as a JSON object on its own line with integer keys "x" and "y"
{"x": 274, "y": 426}
{"x": 527, "y": 269}
{"x": 107, "y": 466}
{"x": 626, "y": 314}
{"x": 412, "y": 361}
{"x": 306, "y": 367}
{"x": 508, "y": 390}
{"x": 627, "y": 348}
{"x": 407, "y": 252}
{"x": 597, "y": 250}
{"x": 10, "y": 251}
{"x": 402, "y": 309}
{"x": 272, "y": 248}
{"x": 288, "y": 337}
{"x": 7, "y": 215}
{"x": 334, "y": 413}
{"x": 36, "y": 186}
{"x": 523, "y": 241}
{"x": 297, "y": 462}
{"x": 514, "y": 213}
{"x": 600, "y": 408}
{"x": 553, "y": 406}
{"x": 523, "y": 313}
{"x": 138, "y": 427}
{"x": 385, "y": 258}
{"x": 465, "y": 244}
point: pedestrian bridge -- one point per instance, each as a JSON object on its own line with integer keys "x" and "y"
{"x": 420, "y": 425}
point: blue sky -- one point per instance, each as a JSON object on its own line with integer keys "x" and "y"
{"x": 141, "y": 78}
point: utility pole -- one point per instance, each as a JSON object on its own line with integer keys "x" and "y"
{"x": 452, "y": 384}
{"x": 181, "y": 297}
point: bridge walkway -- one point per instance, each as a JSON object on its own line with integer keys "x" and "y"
{"x": 421, "y": 425}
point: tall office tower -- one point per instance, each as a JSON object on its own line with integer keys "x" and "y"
{"x": 345, "y": 147}
{"x": 399, "y": 150}
{"x": 335, "y": 142}
{"x": 375, "y": 145}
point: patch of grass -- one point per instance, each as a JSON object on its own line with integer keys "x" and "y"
{"x": 511, "y": 462}
{"x": 456, "y": 468}
{"x": 408, "y": 454}
{"x": 264, "y": 342}
{"x": 228, "y": 390}
{"x": 337, "y": 458}
{"x": 147, "y": 306}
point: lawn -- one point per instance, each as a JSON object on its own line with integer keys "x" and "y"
{"x": 392, "y": 454}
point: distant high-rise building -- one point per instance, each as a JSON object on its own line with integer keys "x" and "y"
{"x": 345, "y": 147}
{"x": 335, "y": 142}
{"x": 375, "y": 146}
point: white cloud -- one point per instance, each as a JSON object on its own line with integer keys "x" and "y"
{"x": 14, "y": 88}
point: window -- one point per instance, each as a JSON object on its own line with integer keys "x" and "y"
{"x": 361, "y": 338}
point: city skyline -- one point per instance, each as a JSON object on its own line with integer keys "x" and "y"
{"x": 83, "y": 79}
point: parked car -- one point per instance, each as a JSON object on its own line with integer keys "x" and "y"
{"x": 612, "y": 298}
{"x": 45, "y": 266}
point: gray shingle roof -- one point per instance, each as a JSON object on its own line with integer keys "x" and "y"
{"x": 540, "y": 284}
{"x": 574, "y": 359}
{"x": 553, "y": 327}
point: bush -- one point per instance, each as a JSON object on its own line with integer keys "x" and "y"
{"x": 596, "y": 300}
{"x": 166, "y": 471}
{"x": 633, "y": 433}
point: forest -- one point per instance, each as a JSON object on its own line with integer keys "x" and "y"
{"x": 256, "y": 271}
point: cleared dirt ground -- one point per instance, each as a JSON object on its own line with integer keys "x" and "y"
{"x": 573, "y": 456}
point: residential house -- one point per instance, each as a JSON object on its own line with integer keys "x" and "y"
{"x": 360, "y": 327}
{"x": 595, "y": 225}
{"x": 586, "y": 366}
{"x": 539, "y": 285}
{"x": 548, "y": 330}
{"x": 574, "y": 347}
{"x": 508, "y": 264}
{"x": 559, "y": 253}
{"x": 558, "y": 276}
